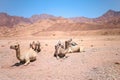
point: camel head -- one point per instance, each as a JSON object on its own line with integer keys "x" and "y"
{"x": 70, "y": 43}
{"x": 59, "y": 50}
{"x": 15, "y": 47}
{"x": 58, "y": 46}
{"x": 32, "y": 45}
{"x": 37, "y": 47}
{"x": 67, "y": 43}
{"x": 70, "y": 40}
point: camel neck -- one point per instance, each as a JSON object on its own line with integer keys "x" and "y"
{"x": 38, "y": 47}
{"x": 18, "y": 53}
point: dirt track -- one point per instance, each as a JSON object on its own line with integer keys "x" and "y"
{"x": 100, "y": 61}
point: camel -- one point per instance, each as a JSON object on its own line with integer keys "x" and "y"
{"x": 60, "y": 50}
{"x": 35, "y": 46}
{"x": 72, "y": 46}
{"x": 26, "y": 56}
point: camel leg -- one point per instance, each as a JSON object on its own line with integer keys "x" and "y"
{"x": 57, "y": 57}
{"x": 27, "y": 62}
{"x": 70, "y": 50}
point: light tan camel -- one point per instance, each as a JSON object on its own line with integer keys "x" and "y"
{"x": 26, "y": 56}
{"x": 72, "y": 46}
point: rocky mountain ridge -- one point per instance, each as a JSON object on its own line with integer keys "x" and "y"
{"x": 45, "y": 24}
{"x": 110, "y": 17}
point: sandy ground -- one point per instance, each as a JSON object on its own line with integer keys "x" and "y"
{"x": 100, "y": 61}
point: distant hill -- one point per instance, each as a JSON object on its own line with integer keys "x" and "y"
{"x": 9, "y": 21}
{"x": 109, "y": 20}
{"x": 35, "y": 18}
{"x": 41, "y": 24}
{"x": 82, "y": 19}
{"x": 110, "y": 17}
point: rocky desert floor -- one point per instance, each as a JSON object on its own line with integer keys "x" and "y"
{"x": 99, "y": 61}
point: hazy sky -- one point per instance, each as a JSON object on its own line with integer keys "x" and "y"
{"x": 65, "y": 8}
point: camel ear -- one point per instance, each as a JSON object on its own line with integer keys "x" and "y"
{"x": 18, "y": 45}
{"x": 55, "y": 46}
{"x": 70, "y": 40}
{"x": 59, "y": 42}
{"x": 33, "y": 42}
{"x": 30, "y": 45}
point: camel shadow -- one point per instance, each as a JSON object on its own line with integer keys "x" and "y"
{"x": 18, "y": 64}
{"x": 21, "y": 63}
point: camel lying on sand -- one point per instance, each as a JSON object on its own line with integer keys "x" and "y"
{"x": 72, "y": 46}
{"x": 26, "y": 56}
{"x": 35, "y": 46}
{"x": 60, "y": 51}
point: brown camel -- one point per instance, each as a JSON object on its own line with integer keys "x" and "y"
{"x": 35, "y": 46}
{"x": 60, "y": 50}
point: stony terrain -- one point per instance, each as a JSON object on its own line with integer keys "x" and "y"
{"x": 100, "y": 61}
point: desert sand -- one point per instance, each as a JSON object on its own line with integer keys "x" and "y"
{"x": 100, "y": 61}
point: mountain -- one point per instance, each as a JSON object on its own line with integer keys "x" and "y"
{"x": 109, "y": 20}
{"x": 39, "y": 24}
{"x": 82, "y": 19}
{"x": 111, "y": 17}
{"x": 35, "y": 18}
{"x": 111, "y": 14}
{"x": 10, "y": 21}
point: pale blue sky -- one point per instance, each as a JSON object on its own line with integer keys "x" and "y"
{"x": 65, "y": 8}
